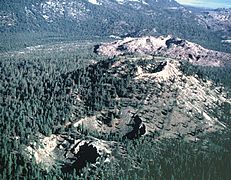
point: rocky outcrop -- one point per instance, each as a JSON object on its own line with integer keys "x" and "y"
{"x": 69, "y": 152}
{"x": 138, "y": 130}
{"x": 86, "y": 154}
{"x": 158, "y": 98}
{"x": 166, "y": 46}
{"x": 138, "y": 96}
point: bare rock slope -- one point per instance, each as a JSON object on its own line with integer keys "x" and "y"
{"x": 165, "y": 46}
{"x": 158, "y": 97}
{"x": 131, "y": 97}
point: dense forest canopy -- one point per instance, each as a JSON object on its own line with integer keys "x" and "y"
{"x": 86, "y": 20}
{"x": 69, "y": 113}
{"x": 36, "y": 98}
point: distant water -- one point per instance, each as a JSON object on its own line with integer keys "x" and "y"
{"x": 207, "y": 3}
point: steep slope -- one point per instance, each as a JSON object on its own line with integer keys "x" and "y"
{"x": 67, "y": 14}
{"x": 217, "y": 20}
{"x": 104, "y": 18}
{"x": 165, "y": 46}
{"x": 126, "y": 98}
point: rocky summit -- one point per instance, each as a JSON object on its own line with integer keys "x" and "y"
{"x": 165, "y": 46}
{"x": 114, "y": 89}
{"x": 145, "y": 92}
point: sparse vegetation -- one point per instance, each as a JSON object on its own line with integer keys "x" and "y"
{"x": 68, "y": 113}
{"x": 37, "y": 97}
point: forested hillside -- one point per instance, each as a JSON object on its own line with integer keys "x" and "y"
{"x": 84, "y": 19}
{"x": 114, "y": 89}
{"x": 45, "y": 95}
